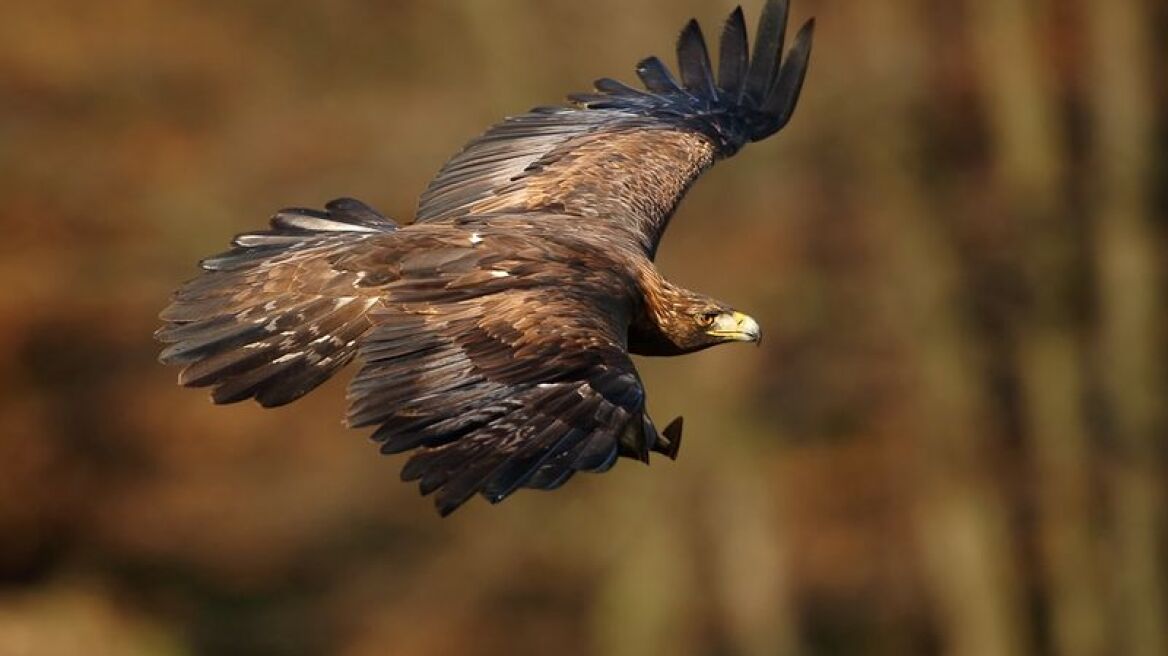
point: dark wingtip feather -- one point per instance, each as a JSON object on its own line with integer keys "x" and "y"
{"x": 733, "y": 55}
{"x": 768, "y": 47}
{"x": 550, "y": 479}
{"x": 693, "y": 61}
{"x": 753, "y": 96}
{"x": 447, "y": 506}
{"x": 784, "y": 95}
{"x": 656, "y": 76}
{"x": 616, "y": 88}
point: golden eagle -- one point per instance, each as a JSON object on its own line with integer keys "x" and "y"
{"x": 494, "y": 332}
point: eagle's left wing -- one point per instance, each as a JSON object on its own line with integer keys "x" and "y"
{"x": 623, "y": 157}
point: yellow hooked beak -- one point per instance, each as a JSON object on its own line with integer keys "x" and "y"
{"x": 735, "y": 326}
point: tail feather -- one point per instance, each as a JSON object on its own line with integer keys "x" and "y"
{"x": 273, "y": 318}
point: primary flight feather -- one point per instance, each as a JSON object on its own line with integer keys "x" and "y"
{"x": 494, "y": 332}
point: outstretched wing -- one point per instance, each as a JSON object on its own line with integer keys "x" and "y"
{"x": 623, "y": 157}
{"x": 522, "y": 388}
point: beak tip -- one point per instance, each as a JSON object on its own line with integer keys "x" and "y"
{"x": 751, "y": 329}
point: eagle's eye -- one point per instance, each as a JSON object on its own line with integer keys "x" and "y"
{"x": 707, "y": 318}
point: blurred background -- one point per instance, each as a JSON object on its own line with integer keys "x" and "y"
{"x": 952, "y": 440}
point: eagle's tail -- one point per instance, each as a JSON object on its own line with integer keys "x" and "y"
{"x": 278, "y": 314}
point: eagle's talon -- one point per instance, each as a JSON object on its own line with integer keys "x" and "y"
{"x": 672, "y": 433}
{"x": 668, "y": 443}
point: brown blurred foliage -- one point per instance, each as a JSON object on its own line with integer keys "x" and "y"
{"x": 952, "y": 440}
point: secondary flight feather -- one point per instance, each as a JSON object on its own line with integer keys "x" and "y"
{"x": 494, "y": 332}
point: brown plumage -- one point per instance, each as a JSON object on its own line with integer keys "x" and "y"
{"x": 494, "y": 332}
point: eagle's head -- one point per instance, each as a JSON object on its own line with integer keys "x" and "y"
{"x": 726, "y": 325}
{"x": 708, "y": 324}
{"x": 683, "y": 321}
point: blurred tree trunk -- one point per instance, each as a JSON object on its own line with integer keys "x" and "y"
{"x": 1022, "y": 109}
{"x": 643, "y": 603}
{"x": 961, "y": 515}
{"x": 751, "y": 584}
{"x": 961, "y": 518}
{"x": 1130, "y": 348}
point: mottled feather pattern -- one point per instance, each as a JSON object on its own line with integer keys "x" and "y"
{"x": 494, "y": 333}
{"x": 274, "y": 317}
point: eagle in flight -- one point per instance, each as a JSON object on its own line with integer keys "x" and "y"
{"x": 494, "y": 332}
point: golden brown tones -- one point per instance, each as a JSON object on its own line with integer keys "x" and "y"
{"x": 494, "y": 333}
